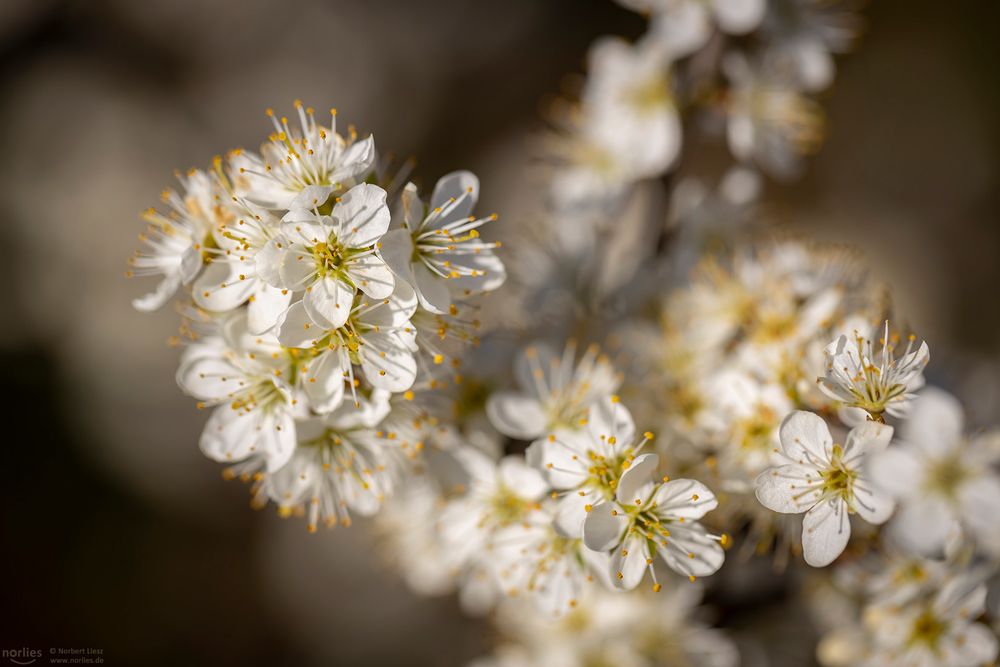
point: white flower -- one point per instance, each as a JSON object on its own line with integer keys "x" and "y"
{"x": 439, "y": 251}
{"x": 940, "y": 477}
{"x": 629, "y": 106}
{"x": 649, "y": 518}
{"x": 497, "y": 496}
{"x": 804, "y": 34}
{"x": 300, "y": 168}
{"x": 331, "y": 257}
{"x": 556, "y": 391}
{"x": 376, "y": 335}
{"x": 826, "y": 481}
{"x": 770, "y": 122}
{"x": 175, "y": 243}
{"x": 247, "y": 377}
{"x": 876, "y": 382}
{"x": 684, "y": 26}
{"x": 939, "y": 630}
{"x": 751, "y": 413}
{"x": 587, "y": 464}
{"x": 534, "y": 558}
{"x": 231, "y": 278}
{"x": 341, "y": 464}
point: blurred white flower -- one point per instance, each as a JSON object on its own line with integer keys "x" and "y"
{"x": 439, "y": 250}
{"x": 942, "y": 478}
{"x": 629, "y": 106}
{"x": 770, "y": 122}
{"x": 803, "y": 35}
{"x": 826, "y": 481}
{"x": 684, "y": 26}
{"x": 555, "y": 391}
{"x": 342, "y": 463}
{"x": 877, "y": 382}
{"x": 938, "y": 630}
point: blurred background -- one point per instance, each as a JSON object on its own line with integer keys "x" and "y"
{"x": 117, "y": 533}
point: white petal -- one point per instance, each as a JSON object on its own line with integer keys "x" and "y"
{"x": 220, "y": 288}
{"x": 355, "y": 162}
{"x": 826, "y": 528}
{"x": 979, "y": 499}
{"x": 782, "y": 489}
{"x": 464, "y": 187}
{"x": 490, "y": 274}
{"x": 935, "y": 422}
{"x": 397, "y": 249}
{"x": 328, "y": 302}
{"x": 296, "y": 328}
{"x": 805, "y": 438}
{"x": 603, "y": 530}
{"x": 738, "y": 17}
{"x": 975, "y": 645}
{"x": 371, "y": 275}
{"x": 923, "y": 525}
{"x": 870, "y": 504}
{"x": 899, "y": 470}
{"x": 571, "y": 511}
{"x": 266, "y": 307}
{"x": 165, "y": 289}
{"x": 233, "y": 435}
{"x": 208, "y": 377}
{"x": 516, "y": 415}
{"x": 867, "y": 438}
{"x": 310, "y": 197}
{"x": 691, "y": 551}
{"x": 685, "y": 498}
{"x": 562, "y": 457}
{"x": 628, "y": 562}
{"x": 635, "y": 477}
{"x": 432, "y": 290}
{"x": 361, "y": 216}
{"x": 524, "y": 481}
{"x": 392, "y": 312}
{"x": 386, "y": 363}
{"x": 323, "y": 381}
{"x": 607, "y": 419}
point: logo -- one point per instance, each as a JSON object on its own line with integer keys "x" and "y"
{"x": 21, "y": 656}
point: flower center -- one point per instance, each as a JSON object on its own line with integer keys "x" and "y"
{"x": 649, "y": 95}
{"x": 329, "y": 256}
{"x": 927, "y": 629}
{"x": 945, "y": 476}
{"x": 506, "y": 507}
{"x": 838, "y": 480}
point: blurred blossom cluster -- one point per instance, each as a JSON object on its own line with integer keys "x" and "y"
{"x": 574, "y": 432}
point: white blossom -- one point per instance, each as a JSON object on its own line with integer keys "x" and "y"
{"x": 299, "y": 168}
{"x": 248, "y": 377}
{"x": 826, "y": 481}
{"x": 438, "y": 250}
{"x": 650, "y": 518}
{"x": 941, "y": 478}
{"x": 874, "y": 379}
{"x": 556, "y": 391}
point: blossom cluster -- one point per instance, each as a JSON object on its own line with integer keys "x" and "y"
{"x": 331, "y": 323}
{"x": 317, "y": 296}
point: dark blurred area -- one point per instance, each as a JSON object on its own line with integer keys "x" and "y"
{"x": 117, "y": 534}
